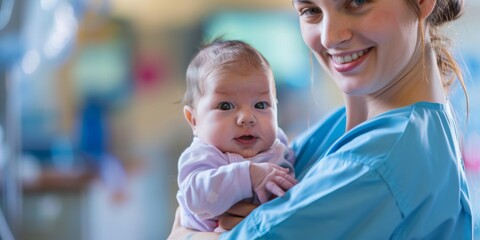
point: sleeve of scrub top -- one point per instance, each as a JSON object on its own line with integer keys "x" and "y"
{"x": 208, "y": 186}
{"x": 337, "y": 199}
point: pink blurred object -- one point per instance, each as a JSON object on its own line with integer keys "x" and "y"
{"x": 471, "y": 152}
{"x": 150, "y": 71}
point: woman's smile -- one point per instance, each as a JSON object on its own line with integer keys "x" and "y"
{"x": 347, "y": 62}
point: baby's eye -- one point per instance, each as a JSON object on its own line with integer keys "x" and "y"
{"x": 261, "y": 105}
{"x": 225, "y": 106}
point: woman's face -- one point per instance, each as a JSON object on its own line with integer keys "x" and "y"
{"x": 366, "y": 45}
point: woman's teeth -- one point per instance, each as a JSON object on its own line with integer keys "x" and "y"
{"x": 349, "y": 58}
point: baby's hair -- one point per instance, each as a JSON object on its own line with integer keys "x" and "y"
{"x": 219, "y": 55}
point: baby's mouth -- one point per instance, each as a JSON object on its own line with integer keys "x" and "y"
{"x": 246, "y": 139}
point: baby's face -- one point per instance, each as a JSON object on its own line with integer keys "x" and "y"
{"x": 237, "y": 112}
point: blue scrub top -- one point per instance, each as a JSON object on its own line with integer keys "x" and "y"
{"x": 396, "y": 176}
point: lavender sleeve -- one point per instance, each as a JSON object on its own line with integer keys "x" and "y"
{"x": 209, "y": 184}
{"x": 289, "y": 154}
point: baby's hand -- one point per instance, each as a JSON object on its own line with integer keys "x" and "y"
{"x": 270, "y": 178}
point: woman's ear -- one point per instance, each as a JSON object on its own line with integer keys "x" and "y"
{"x": 189, "y": 114}
{"x": 426, "y": 7}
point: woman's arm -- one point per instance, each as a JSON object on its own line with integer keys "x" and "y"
{"x": 181, "y": 233}
{"x": 227, "y": 221}
{"x": 336, "y": 200}
{"x": 236, "y": 214}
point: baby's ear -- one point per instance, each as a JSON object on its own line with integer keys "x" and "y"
{"x": 189, "y": 114}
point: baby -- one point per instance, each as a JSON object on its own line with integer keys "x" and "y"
{"x": 238, "y": 152}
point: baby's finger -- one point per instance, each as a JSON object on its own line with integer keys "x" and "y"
{"x": 283, "y": 183}
{"x": 274, "y": 188}
{"x": 291, "y": 179}
{"x": 281, "y": 168}
{"x": 262, "y": 195}
{"x": 287, "y": 177}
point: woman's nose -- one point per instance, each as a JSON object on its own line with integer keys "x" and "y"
{"x": 334, "y": 30}
{"x": 246, "y": 118}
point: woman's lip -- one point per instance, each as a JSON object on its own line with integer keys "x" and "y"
{"x": 346, "y": 67}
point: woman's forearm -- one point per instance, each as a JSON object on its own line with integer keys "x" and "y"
{"x": 180, "y": 233}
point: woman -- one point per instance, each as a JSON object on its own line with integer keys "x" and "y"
{"x": 387, "y": 165}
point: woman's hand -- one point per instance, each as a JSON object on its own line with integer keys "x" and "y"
{"x": 236, "y": 214}
{"x": 180, "y": 233}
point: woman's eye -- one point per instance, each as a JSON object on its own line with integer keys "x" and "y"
{"x": 261, "y": 105}
{"x": 225, "y": 106}
{"x": 309, "y": 11}
{"x": 356, "y": 3}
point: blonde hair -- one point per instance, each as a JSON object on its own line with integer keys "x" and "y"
{"x": 219, "y": 55}
{"x": 443, "y": 12}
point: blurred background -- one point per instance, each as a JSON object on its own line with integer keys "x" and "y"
{"x": 90, "y": 122}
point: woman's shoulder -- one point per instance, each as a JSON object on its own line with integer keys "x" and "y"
{"x": 395, "y": 133}
{"x": 376, "y": 136}
{"x": 417, "y": 141}
{"x": 399, "y": 137}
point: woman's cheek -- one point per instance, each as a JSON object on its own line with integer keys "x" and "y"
{"x": 311, "y": 39}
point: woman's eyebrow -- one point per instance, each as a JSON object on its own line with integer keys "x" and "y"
{"x": 300, "y": 1}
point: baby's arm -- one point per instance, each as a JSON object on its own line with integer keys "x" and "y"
{"x": 210, "y": 182}
{"x": 209, "y": 185}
